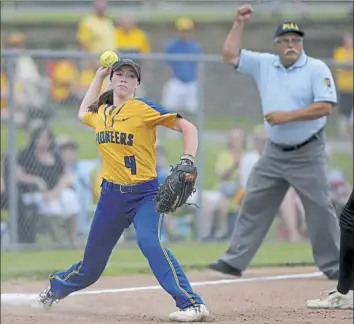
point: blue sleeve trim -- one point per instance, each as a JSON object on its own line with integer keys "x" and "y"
{"x": 161, "y": 110}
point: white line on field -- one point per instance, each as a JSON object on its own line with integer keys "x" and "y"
{"x": 24, "y": 298}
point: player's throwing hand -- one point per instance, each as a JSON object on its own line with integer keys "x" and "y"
{"x": 244, "y": 13}
{"x": 103, "y": 72}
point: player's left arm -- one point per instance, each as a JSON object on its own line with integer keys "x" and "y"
{"x": 189, "y": 134}
{"x": 155, "y": 115}
{"x": 324, "y": 94}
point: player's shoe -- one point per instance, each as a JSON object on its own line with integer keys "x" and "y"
{"x": 333, "y": 300}
{"x": 193, "y": 313}
{"x": 45, "y": 299}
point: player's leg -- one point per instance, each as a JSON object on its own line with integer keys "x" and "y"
{"x": 265, "y": 191}
{"x": 346, "y": 256}
{"x": 148, "y": 224}
{"x": 308, "y": 176}
{"x": 342, "y": 297}
{"x": 107, "y": 226}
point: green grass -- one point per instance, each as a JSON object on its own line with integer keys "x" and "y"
{"x": 156, "y": 17}
{"x": 129, "y": 260}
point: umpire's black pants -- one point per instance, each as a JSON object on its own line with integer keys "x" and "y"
{"x": 346, "y": 261}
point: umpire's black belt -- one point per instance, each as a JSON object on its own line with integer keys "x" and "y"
{"x": 130, "y": 188}
{"x": 296, "y": 147}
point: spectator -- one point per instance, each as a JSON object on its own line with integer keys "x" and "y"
{"x": 344, "y": 79}
{"x": 129, "y": 39}
{"x": 180, "y": 91}
{"x": 86, "y": 75}
{"x": 80, "y": 170}
{"x": 227, "y": 166}
{"x": 340, "y": 189}
{"x": 291, "y": 210}
{"x": 5, "y": 234}
{"x": 132, "y": 40}
{"x": 31, "y": 88}
{"x": 4, "y": 92}
{"x": 64, "y": 76}
{"x": 45, "y": 183}
{"x": 350, "y": 126}
{"x": 96, "y": 31}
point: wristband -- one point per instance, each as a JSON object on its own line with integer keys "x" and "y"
{"x": 188, "y": 157}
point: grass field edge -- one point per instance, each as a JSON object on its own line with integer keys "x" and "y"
{"x": 143, "y": 270}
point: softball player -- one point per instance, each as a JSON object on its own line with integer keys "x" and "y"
{"x": 125, "y": 130}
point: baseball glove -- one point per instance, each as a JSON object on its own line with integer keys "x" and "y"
{"x": 177, "y": 187}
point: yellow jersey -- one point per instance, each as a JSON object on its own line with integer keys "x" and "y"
{"x": 126, "y": 136}
{"x": 344, "y": 75}
{"x": 64, "y": 76}
{"x": 4, "y": 90}
{"x": 135, "y": 41}
{"x": 96, "y": 34}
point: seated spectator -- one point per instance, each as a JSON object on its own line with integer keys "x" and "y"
{"x": 81, "y": 171}
{"x": 227, "y": 167}
{"x": 46, "y": 184}
{"x": 291, "y": 210}
{"x": 5, "y": 233}
{"x": 340, "y": 189}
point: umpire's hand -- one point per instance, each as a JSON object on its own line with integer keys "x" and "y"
{"x": 278, "y": 117}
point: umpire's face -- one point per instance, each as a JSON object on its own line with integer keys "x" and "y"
{"x": 289, "y": 47}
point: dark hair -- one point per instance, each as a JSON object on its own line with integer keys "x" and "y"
{"x": 105, "y": 98}
{"x": 36, "y": 133}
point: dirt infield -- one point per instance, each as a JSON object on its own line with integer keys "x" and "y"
{"x": 260, "y": 301}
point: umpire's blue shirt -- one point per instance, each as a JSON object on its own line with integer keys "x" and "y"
{"x": 309, "y": 80}
{"x": 185, "y": 71}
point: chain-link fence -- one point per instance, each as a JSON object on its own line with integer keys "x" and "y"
{"x": 50, "y": 163}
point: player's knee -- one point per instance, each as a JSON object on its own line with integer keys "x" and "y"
{"x": 149, "y": 245}
{"x": 94, "y": 271}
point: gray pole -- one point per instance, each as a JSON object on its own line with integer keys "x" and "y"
{"x": 12, "y": 152}
{"x": 200, "y": 153}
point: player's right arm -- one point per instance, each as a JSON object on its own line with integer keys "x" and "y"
{"x": 92, "y": 95}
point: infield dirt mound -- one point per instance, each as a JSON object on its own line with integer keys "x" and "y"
{"x": 266, "y": 302}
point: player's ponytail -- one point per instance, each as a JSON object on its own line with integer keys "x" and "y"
{"x": 105, "y": 98}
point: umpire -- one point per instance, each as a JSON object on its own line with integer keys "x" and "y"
{"x": 297, "y": 93}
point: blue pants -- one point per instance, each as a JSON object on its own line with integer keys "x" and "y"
{"x": 117, "y": 208}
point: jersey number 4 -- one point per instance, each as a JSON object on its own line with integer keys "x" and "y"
{"x": 130, "y": 163}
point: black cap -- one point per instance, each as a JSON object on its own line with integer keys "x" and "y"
{"x": 127, "y": 62}
{"x": 289, "y": 27}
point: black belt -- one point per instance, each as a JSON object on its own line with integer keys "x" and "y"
{"x": 313, "y": 138}
{"x": 130, "y": 188}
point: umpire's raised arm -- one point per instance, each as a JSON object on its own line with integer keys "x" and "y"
{"x": 233, "y": 41}
{"x": 246, "y": 62}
